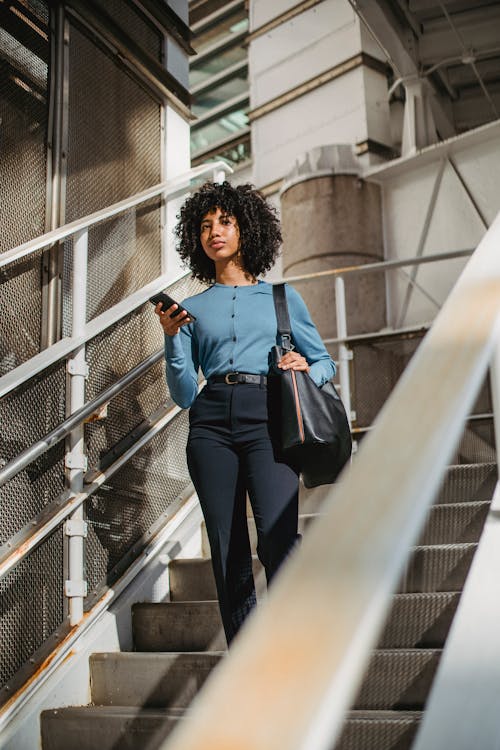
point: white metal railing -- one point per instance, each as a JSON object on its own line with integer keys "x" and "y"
{"x": 23, "y": 543}
{"x": 73, "y": 348}
{"x": 69, "y": 506}
{"x": 169, "y": 189}
{"x": 294, "y": 671}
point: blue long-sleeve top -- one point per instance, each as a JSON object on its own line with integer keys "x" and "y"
{"x": 234, "y": 331}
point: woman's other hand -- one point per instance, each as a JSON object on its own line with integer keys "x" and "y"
{"x": 293, "y": 361}
{"x": 171, "y": 326}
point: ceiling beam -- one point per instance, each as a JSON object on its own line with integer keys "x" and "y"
{"x": 401, "y": 47}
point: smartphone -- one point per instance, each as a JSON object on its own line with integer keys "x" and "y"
{"x": 168, "y": 302}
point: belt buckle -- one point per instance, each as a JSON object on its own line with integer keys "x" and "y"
{"x": 227, "y": 378}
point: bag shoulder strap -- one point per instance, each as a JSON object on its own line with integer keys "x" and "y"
{"x": 282, "y": 316}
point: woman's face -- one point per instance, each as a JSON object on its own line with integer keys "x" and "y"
{"x": 220, "y": 235}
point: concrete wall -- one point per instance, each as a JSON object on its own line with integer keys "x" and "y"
{"x": 350, "y": 108}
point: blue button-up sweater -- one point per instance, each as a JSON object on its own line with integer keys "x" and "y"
{"x": 234, "y": 331}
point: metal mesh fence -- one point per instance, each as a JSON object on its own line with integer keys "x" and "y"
{"x": 20, "y": 291}
{"x": 120, "y": 514}
{"x": 31, "y": 607}
{"x": 144, "y": 33}
{"x": 114, "y": 152}
{"x": 26, "y": 415}
{"x": 377, "y": 366}
{"x": 122, "y": 511}
{"x": 24, "y": 55}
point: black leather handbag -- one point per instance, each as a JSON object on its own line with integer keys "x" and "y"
{"x": 315, "y": 434}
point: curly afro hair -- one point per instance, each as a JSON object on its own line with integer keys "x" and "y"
{"x": 259, "y": 226}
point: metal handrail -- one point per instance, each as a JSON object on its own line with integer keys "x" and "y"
{"x": 27, "y": 539}
{"x": 61, "y": 431}
{"x": 169, "y": 188}
{"x": 383, "y": 265}
{"x": 65, "y": 346}
{"x": 68, "y": 344}
{"x": 304, "y": 651}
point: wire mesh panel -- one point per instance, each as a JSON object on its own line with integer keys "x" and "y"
{"x": 120, "y": 514}
{"x": 26, "y": 415}
{"x": 31, "y": 607}
{"x": 377, "y": 366}
{"x": 20, "y": 322}
{"x": 24, "y": 56}
{"x": 137, "y": 495}
{"x": 135, "y": 24}
{"x": 114, "y": 134}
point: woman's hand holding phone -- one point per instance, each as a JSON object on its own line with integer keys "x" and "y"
{"x": 171, "y": 325}
{"x": 172, "y": 315}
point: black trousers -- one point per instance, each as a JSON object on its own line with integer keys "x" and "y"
{"x": 230, "y": 453}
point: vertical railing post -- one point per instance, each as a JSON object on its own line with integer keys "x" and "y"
{"x": 218, "y": 175}
{"x": 76, "y": 460}
{"x": 345, "y": 355}
{"x": 495, "y": 395}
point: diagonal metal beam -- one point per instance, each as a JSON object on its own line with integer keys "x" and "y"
{"x": 421, "y": 243}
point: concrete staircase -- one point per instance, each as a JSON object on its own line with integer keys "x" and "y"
{"x": 137, "y": 697}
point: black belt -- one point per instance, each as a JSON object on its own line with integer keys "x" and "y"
{"x": 232, "y": 378}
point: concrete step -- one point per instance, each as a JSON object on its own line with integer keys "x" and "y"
{"x": 440, "y": 567}
{"x": 379, "y": 730}
{"x": 430, "y": 568}
{"x": 398, "y": 679}
{"x": 150, "y": 680}
{"x": 192, "y": 579}
{"x": 106, "y": 728}
{"x": 178, "y": 626}
{"x": 419, "y": 620}
{"x": 304, "y": 520}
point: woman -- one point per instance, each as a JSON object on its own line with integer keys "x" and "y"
{"x": 229, "y": 236}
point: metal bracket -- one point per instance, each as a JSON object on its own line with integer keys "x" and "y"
{"x": 76, "y": 461}
{"x": 76, "y": 527}
{"x": 75, "y": 367}
{"x": 98, "y": 414}
{"x": 75, "y": 588}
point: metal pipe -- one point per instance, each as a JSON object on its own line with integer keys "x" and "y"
{"x": 76, "y": 460}
{"x": 66, "y": 504}
{"x": 344, "y": 353}
{"x": 384, "y": 265}
{"x": 62, "y": 348}
{"x": 80, "y": 415}
{"x": 169, "y": 188}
